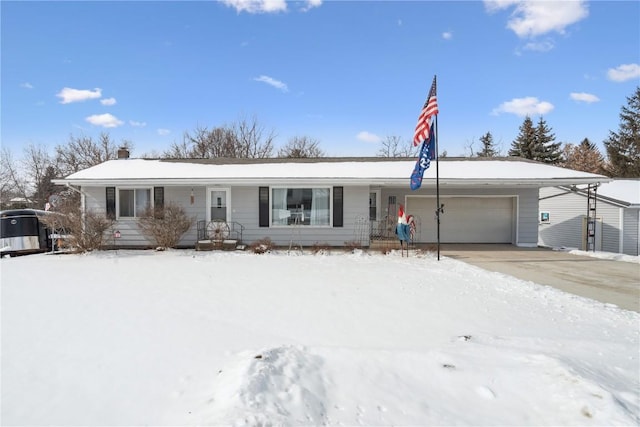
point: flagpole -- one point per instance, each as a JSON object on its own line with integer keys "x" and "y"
{"x": 438, "y": 207}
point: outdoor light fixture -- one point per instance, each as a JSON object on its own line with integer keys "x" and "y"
{"x": 192, "y": 197}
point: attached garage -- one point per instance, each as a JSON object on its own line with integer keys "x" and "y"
{"x": 466, "y": 219}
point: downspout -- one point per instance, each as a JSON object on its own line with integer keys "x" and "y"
{"x": 82, "y": 202}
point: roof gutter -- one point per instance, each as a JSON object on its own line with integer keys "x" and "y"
{"x": 453, "y": 182}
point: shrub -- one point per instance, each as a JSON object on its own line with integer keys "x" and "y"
{"x": 352, "y": 245}
{"x": 165, "y": 226}
{"x": 320, "y": 248}
{"x": 261, "y": 246}
{"x": 81, "y": 232}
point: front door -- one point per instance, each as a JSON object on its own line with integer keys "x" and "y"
{"x": 218, "y": 204}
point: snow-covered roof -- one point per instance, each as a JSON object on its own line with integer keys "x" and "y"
{"x": 623, "y": 190}
{"x": 372, "y": 171}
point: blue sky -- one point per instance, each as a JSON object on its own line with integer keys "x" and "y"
{"x": 348, "y": 74}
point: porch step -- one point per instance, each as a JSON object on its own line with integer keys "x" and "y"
{"x": 210, "y": 245}
{"x": 229, "y": 244}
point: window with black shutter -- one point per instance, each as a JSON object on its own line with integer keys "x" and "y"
{"x": 263, "y": 206}
{"x": 111, "y": 202}
{"x": 158, "y": 201}
{"x": 338, "y": 202}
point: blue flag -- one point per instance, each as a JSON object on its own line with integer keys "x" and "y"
{"x": 427, "y": 153}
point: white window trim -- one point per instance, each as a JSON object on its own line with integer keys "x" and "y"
{"x": 208, "y": 202}
{"x": 378, "y": 193}
{"x": 135, "y": 217}
{"x": 272, "y": 225}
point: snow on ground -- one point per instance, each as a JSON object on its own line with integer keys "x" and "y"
{"x": 612, "y": 256}
{"x": 231, "y": 338}
{"x": 607, "y": 255}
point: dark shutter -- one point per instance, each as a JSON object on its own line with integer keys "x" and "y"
{"x": 263, "y": 203}
{"x": 158, "y": 201}
{"x": 111, "y": 202}
{"x": 337, "y": 206}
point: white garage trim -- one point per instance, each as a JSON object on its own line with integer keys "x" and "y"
{"x": 466, "y": 218}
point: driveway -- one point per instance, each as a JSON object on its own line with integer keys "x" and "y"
{"x": 614, "y": 282}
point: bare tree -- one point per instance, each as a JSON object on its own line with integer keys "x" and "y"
{"x": 178, "y": 150}
{"x": 394, "y": 146}
{"x": 254, "y": 141}
{"x": 83, "y": 152}
{"x": 13, "y": 182}
{"x": 468, "y": 148}
{"x": 300, "y": 147}
{"x": 245, "y": 139}
{"x": 38, "y": 168}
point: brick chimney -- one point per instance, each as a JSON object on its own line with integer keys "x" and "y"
{"x": 123, "y": 153}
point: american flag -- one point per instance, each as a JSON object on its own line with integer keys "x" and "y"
{"x": 429, "y": 110}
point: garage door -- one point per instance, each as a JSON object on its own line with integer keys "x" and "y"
{"x": 465, "y": 219}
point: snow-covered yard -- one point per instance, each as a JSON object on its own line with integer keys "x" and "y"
{"x": 230, "y": 338}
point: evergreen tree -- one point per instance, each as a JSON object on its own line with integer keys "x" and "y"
{"x": 547, "y": 150}
{"x": 536, "y": 143}
{"x": 623, "y": 147}
{"x": 525, "y": 143}
{"x": 583, "y": 157}
{"x": 488, "y": 148}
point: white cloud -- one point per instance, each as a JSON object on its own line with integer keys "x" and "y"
{"x": 163, "y": 132}
{"x": 26, "y": 85}
{"x": 104, "y": 120}
{"x": 495, "y": 5}
{"x": 272, "y": 82}
{"x": 524, "y": 107}
{"x": 69, "y": 95}
{"x": 540, "y": 46}
{"x": 257, "y": 6}
{"x": 137, "y": 124}
{"x": 310, "y": 4}
{"x": 368, "y": 137}
{"x": 584, "y": 97}
{"x": 108, "y": 101}
{"x": 534, "y": 17}
{"x": 624, "y": 72}
{"x": 447, "y": 35}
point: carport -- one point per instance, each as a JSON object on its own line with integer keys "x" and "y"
{"x": 607, "y": 281}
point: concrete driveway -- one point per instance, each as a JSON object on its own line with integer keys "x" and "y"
{"x": 614, "y": 282}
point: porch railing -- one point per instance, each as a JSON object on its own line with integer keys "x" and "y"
{"x": 235, "y": 230}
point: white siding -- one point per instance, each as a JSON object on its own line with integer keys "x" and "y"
{"x": 631, "y": 231}
{"x": 568, "y": 211}
{"x": 523, "y": 222}
{"x": 244, "y": 210}
{"x": 610, "y": 225}
{"x": 130, "y": 235}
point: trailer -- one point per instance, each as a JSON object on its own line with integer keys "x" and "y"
{"x": 24, "y": 231}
